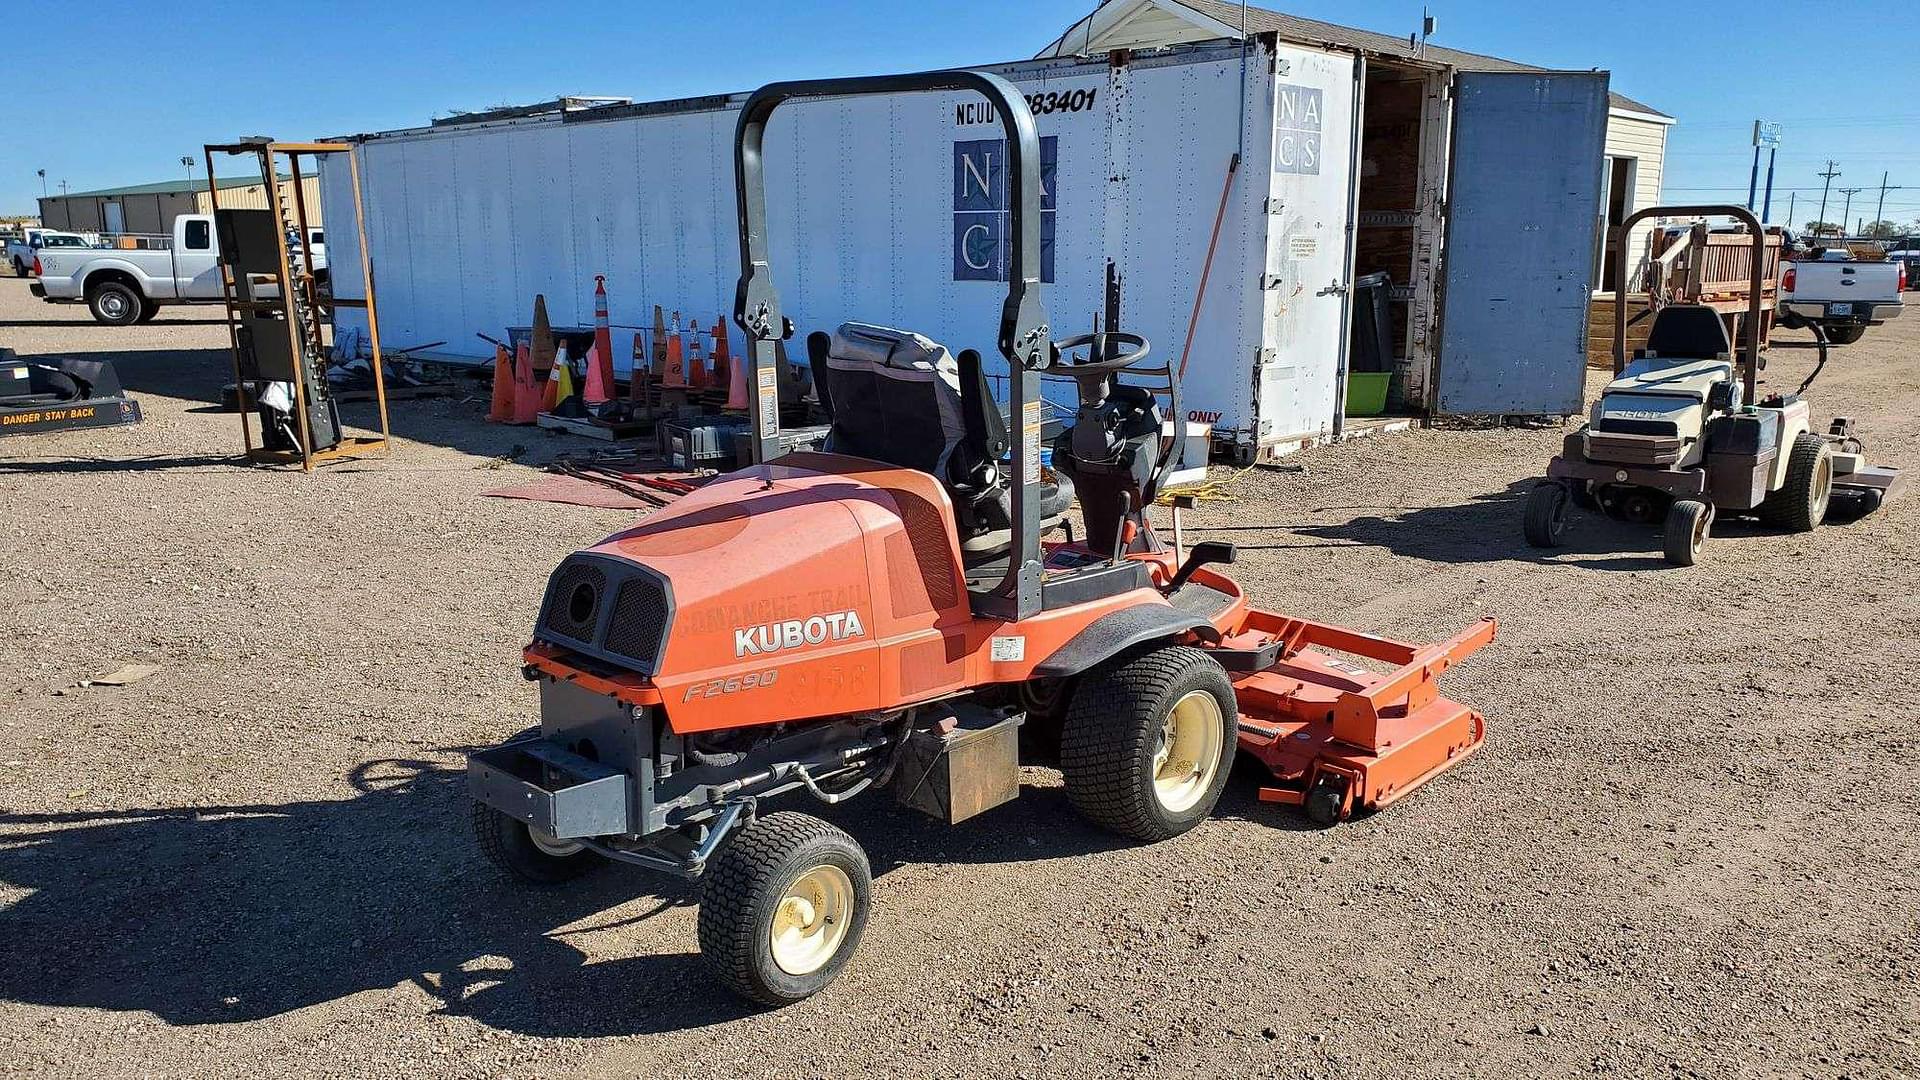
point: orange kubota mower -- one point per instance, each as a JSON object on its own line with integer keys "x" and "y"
{"x": 885, "y": 615}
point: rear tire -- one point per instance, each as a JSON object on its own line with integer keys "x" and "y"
{"x": 1546, "y": 518}
{"x": 19, "y": 268}
{"x": 783, "y": 906}
{"x": 513, "y": 846}
{"x": 1845, "y": 335}
{"x": 1801, "y": 502}
{"x": 1148, "y": 742}
{"x": 1688, "y": 522}
{"x": 115, "y": 304}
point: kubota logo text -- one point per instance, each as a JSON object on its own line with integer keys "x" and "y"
{"x": 793, "y": 633}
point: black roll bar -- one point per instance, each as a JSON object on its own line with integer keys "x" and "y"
{"x": 1024, "y": 339}
{"x": 1749, "y": 360}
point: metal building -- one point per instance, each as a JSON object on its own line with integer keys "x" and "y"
{"x": 149, "y": 209}
{"x": 1478, "y": 192}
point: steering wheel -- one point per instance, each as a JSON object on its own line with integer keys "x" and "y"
{"x": 1059, "y": 365}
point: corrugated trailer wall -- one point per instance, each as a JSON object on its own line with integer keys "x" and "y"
{"x": 877, "y": 209}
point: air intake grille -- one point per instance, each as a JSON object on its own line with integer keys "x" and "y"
{"x": 573, "y": 601}
{"x": 639, "y": 623}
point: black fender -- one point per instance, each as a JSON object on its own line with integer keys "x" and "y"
{"x": 1116, "y": 632}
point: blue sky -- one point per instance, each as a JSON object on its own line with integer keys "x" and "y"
{"x": 118, "y": 94}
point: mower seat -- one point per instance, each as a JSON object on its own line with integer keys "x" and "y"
{"x": 1687, "y": 331}
{"x": 900, "y": 398}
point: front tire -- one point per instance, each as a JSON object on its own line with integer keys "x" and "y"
{"x": 534, "y": 857}
{"x": 1148, "y": 742}
{"x": 1545, "y": 525}
{"x": 1801, "y": 502}
{"x": 114, "y": 303}
{"x": 783, "y": 907}
{"x": 1688, "y": 522}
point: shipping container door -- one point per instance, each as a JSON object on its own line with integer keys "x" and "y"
{"x": 1305, "y": 263}
{"x": 1523, "y": 198}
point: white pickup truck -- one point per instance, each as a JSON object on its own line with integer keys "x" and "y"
{"x": 21, "y": 252}
{"x": 121, "y": 287}
{"x": 1841, "y": 294}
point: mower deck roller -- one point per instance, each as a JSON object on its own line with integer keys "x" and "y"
{"x": 911, "y": 609}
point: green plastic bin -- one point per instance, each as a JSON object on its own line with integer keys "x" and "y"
{"x": 1367, "y": 392}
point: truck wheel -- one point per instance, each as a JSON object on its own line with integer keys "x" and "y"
{"x": 1801, "y": 502}
{"x": 19, "y": 268}
{"x": 114, "y": 304}
{"x": 526, "y": 853}
{"x": 1688, "y": 522}
{"x": 1148, "y": 742}
{"x": 783, "y": 906}
{"x": 148, "y": 309}
{"x": 1546, "y": 520}
{"x": 1845, "y": 335}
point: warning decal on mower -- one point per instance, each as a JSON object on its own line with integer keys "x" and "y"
{"x": 1008, "y": 649}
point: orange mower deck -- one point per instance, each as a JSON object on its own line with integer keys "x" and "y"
{"x": 1340, "y": 737}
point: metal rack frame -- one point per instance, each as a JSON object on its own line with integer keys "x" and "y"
{"x": 266, "y": 152}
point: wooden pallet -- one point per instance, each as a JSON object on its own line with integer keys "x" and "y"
{"x": 596, "y": 429}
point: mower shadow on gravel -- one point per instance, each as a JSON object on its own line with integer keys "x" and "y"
{"x": 228, "y": 914}
{"x": 225, "y": 914}
{"x": 1486, "y": 529}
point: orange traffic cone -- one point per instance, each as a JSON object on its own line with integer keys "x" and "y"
{"x": 543, "y": 344}
{"x": 637, "y": 382}
{"x": 737, "y": 381}
{"x": 526, "y": 391}
{"x": 721, "y": 358}
{"x": 676, "y": 364}
{"x": 600, "y": 358}
{"x": 599, "y": 389}
{"x": 551, "y": 394}
{"x": 501, "y": 411}
{"x": 659, "y": 364}
{"x": 696, "y": 360}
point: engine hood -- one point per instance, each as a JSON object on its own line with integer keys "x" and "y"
{"x": 812, "y": 556}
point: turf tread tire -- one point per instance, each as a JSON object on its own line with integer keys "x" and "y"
{"x": 1113, "y": 726}
{"x": 740, "y": 889}
{"x": 505, "y": 843}
{"x": 1676, "y": 538}
{"x": 1794, "y": 507}
{"x": 1545, "y": 525}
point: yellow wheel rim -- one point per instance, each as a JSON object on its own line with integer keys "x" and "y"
{"x": 1189, "y": 754}
{"x": 810, "y": 921}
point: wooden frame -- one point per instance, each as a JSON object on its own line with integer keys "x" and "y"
{"x": 267, "y": 153}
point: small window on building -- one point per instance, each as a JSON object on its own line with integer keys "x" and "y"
{"x": 198, "y": 236}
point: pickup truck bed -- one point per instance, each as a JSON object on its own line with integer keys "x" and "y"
{"x": 1842, "y": 296}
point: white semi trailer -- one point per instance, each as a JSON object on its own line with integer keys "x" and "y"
{"x": 900, "y": 203}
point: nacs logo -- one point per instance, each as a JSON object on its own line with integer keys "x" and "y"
{"x": 1297, "y": 121}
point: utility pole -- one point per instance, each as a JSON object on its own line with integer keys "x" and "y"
{"x": 1847, "y": 208}
{"x": 1879, "y": 212}
{"x": 1792, "y": 197}
{"x": 1828, "y": 176}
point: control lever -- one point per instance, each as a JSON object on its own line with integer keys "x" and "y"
{"x": 1203, "y": 553}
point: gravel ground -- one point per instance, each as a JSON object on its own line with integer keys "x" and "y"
{"x": 1687, "y": 849}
